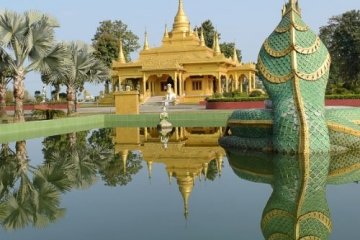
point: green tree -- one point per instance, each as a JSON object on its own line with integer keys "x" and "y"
{"x": 82, "y": 66}
{"x": 106, "y": 41}
{"x": 111, "y": 165}
{"x": 27, "y": 41}
{"x": 209, "y": 32}
{"x": 228, "y": 50}
{"x": 342, "y": 38}
{"x": 5, "y": 78}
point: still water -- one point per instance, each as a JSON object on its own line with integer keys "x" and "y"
{"x": 131, "y": 183}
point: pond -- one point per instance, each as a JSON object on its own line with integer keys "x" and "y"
{"x": 134, "y": 183}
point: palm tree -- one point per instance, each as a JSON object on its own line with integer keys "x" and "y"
{"x": 5, "y": 73}
{"x": 83, "y": 67}
{"x": 27, "y": 41}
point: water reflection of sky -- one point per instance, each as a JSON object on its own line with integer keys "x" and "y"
{"x": 226, "y": 208}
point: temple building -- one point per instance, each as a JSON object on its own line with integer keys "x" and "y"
{"x": 194, "y": 70}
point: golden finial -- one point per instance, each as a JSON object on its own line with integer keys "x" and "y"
{"x": 181, "y": 21}
{"x": 170, "y": 175}
{"x": 235, "y": 56}
{"x": 149, "y": 167}
{"x": 146, "y": 43}
{"x": 216, "y": 46}
{"x": 185, "y": 188}
{"x": 166, "y": 34}
{"x": 124, "y": 156}
{"x": 121, "y": 57}
{"x": 190, "y": 30}
{"x": 202, "y": 39}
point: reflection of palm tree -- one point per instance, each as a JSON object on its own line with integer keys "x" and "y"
{"x": 33, "y": 201}
{"x": 70, "y": 154}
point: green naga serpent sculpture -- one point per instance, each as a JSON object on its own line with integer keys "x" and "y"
{"x": 292, "y": 211}
{"x": 294, "y": 67}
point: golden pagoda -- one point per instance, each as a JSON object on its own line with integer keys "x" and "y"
{"x": 194, "y": 70}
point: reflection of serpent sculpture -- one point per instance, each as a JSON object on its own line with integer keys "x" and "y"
{"x": 297, "y": 208}
{"x": 294, "y": 67}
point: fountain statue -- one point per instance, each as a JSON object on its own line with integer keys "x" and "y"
{"x": 294, "y": 67}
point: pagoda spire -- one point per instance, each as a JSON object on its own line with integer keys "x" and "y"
{"x": 121, "y": 57}
{"x": 235, "y": 56}
{"x": 181, "y": 21}
{"x": 216, "y": 45}
{"x": 124, "y": 157}
{"x": 146, "y": 43}
{"x": 166, "y": 33}
{"x": 202, "y": 39}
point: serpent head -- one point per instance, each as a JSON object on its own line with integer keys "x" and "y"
{"x": 294, "y": 66}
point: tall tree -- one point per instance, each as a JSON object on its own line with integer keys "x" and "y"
{"x": 209, "y": 32}
{"x": 228, "y": 50}
{"x": 5, "y": 78}
{"x": 82, "y": 66}
{"x": 342, "y": 37}
{"x": 28, "y": 41}
{"x": 107, "y": 37}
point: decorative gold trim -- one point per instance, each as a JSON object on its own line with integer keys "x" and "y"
{"x": 288, "y": 28}
{"x": 311, "y": 49}
{"x": 268, "y": 176}
{"x": 343, "y": 129}
{"x": 253, "y": 123}
{"x": 345, "y": 170}
{"x": 321, "y": 217}
{"x": 276, "y": 53}
{"x": 310, "y": 238}
{"x": 318, "y": 73}
{"x": 277, "y": 236}
{"x": 272, "y": 214}
{"x": 273, "y": 78}
{"x": 299, "y": 49}
{"x": 356, "y": 122}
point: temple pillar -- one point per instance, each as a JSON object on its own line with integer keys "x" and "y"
{"x": 219, "y": 90}
{"x": 176, "y": 84}
{"x": 236, "y": 82}
{"x": 241, "y": 85}
{"x": 146, "y": 135}
{"x": 227, "y": 84}
{"x": 254, "y": 80}
{"x": 144, "y": 84}
{"x": 250, "y": 85}
{"x": 181, "y": 89}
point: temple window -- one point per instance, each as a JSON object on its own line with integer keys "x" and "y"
{"x": 196, "y": 85}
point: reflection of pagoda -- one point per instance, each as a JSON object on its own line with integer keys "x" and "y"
{"x": 188, "y": 156}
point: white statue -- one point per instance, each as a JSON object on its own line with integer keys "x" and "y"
{"x": 170, "y": 95}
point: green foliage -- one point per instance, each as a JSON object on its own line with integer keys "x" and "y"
{"x": 228, "y": 50}
{"x": 342, "y": 38}
{"x": 106, "y": 41}
{"x": 47, "y": 114}
{"x": 209, "y": 32}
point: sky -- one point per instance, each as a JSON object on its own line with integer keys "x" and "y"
{"x": 245, "y": 22}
